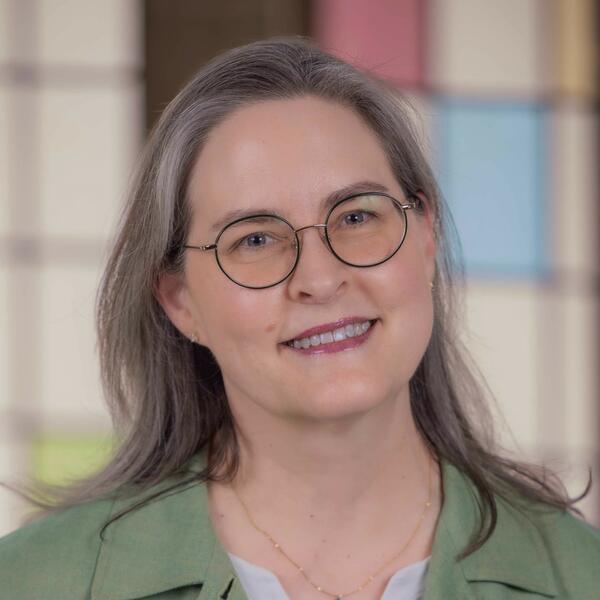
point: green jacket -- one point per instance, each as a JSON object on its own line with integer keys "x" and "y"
{"x": 168, "y": 550}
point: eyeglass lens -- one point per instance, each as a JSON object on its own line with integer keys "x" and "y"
{"x": 261, "y": 251}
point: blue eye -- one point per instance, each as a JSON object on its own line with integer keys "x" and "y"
{"x": 255, "y": 237}
{"x": 357, "y": 217}
{"x": 254, "y": 241}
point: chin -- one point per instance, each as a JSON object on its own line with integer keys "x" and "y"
{"x": 345, "y": 401}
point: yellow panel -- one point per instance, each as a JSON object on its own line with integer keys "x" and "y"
{"x": 573, "y": 190}
{"x": 61, "y": 458}
{"x": 578, "y": 47}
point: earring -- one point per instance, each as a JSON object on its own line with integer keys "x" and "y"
{"x": 193, "y": 338}
{"x": 431, "y": 285}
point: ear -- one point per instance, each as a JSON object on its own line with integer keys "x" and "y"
{"x": 172, "y": 294}
{"x": 428, "y": 221}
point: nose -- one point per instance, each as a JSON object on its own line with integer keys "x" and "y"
{"x": 319, "y": 274}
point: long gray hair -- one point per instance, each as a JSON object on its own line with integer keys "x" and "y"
{"x": 166, "y": 395}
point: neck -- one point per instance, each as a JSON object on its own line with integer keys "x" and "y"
{"x": 339, "y": 483}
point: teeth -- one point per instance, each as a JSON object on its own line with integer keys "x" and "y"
{"x": 328, "y": 337}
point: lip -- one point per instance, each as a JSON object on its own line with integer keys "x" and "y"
{"x": 346, "y": 344}
{"x": 328, "y": 327}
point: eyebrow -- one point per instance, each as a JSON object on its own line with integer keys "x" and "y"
{"x": 358, "y": 187}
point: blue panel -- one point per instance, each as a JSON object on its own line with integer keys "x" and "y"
{"x": 490, "y": 171}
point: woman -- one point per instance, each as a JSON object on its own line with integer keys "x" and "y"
{"x": 278, "y": 345}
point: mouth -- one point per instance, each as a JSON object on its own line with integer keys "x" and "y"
{"x": 342, "y": 337}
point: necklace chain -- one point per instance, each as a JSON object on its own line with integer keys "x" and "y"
{"x": 371, "y": 577}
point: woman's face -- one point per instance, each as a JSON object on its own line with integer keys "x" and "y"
{"x": 288, "y": 156}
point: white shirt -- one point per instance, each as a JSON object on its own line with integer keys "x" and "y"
{"x": 261, "y": 584}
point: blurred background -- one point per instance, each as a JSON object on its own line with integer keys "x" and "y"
{"x": 506, "y": 94}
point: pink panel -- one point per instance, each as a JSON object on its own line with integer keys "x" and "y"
{"x": 386, "y": 36}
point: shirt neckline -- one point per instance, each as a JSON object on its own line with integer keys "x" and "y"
{"x": 266, "y": 577}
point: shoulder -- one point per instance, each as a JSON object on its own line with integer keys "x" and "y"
{"x": 568, "y": 545}
{"x": 54, "y": 556}
{"x": 62, "y": 555}
{"x": 573, "y": 545}
{"x": 533, "y": 548}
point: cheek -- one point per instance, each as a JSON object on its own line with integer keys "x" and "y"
{"x": 235, "y": 319}
{"x": 402, "y": 283}
{"x": 407, "y": 306}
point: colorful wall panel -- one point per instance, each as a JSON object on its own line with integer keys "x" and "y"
{"x": 382, "y": 36}
{"x": 507, "y": 96}
{"x": 71, "y": 124}
{"x": 491, "y": 170}
{"x": 508, "y": 93}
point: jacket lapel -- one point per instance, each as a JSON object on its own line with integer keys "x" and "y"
{"x": 515, "y": 555}
{"x": 170, "y": 543}
{"x": 166, "y": 544}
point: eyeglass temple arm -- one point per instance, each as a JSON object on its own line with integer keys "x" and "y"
{"x": 203, "y": 247}
{"x": 413, "y": 202}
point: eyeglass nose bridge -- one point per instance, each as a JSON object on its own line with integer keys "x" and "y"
{"x": 321, "y": 225}
{"x": 323, "y": 234}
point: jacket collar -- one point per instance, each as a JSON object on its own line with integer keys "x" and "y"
{"x": 170, "y": 543}
{"x": 515, "y": 554}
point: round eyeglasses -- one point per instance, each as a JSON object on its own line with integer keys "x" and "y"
{"x": 261, "y": 251}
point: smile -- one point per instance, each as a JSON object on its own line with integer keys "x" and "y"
{"x": 342, "y": 338}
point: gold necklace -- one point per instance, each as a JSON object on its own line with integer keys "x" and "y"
{"x": 371, "y": 577}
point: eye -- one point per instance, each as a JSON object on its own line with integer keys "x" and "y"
{"x": 258, "y": 240}
{"x": 255, "y": 239}
{"x": 357, "y": 217}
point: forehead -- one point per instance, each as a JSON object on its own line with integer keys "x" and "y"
{"x": 288, "y": 154}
